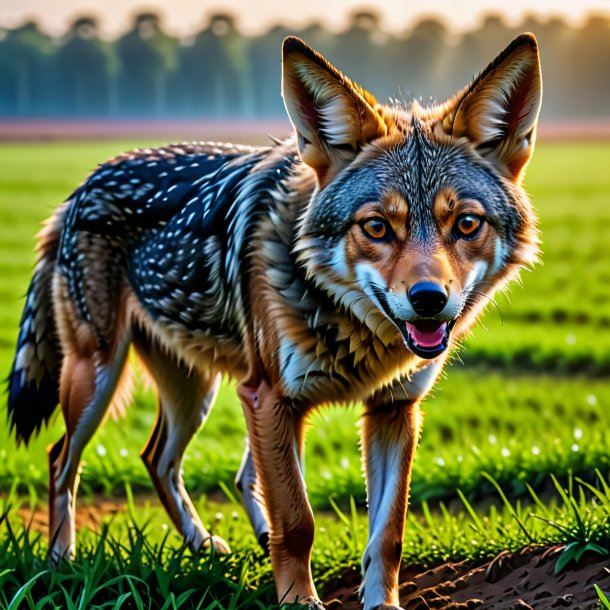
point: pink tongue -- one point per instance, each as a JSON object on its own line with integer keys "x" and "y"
{"x": 428, "y": 337}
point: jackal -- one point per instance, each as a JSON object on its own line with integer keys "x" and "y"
{"x": 337, "y": 266}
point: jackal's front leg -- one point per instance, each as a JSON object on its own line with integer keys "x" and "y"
{"x": 276, "y": 439}
{"x": 390, "y": 432}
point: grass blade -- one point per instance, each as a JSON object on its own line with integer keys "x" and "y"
{"x": 24, "y": 592}
{"x": 510, "y": 507}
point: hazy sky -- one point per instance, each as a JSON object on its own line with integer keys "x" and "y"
{"x": 184, "y": 16}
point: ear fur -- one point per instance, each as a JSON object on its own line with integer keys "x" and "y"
{"x": 498, "y": 112}
{"x": 332, "y": 117}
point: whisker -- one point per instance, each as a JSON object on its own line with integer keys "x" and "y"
{"x": 490, "y": 299}
{"x": 479, "y": 282}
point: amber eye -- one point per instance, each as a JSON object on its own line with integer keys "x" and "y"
{"x": 377, "y": 229}
{"x": 467, "y": 226}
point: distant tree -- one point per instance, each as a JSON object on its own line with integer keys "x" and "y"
{"x": 146, "y": 58}
{"x": 83, "y": 68}
{"x": 220, "y": 72}
{"x": 212, "y": 77}
{"x": 555, "y": 39}
{"x": 25, "y": 55}
{"x": 359, "y": 52}
{"x": 321, "y": 39}
{"x": 265, "y": 60}
{"x": 420, "y": 61}
{"x": 588, "y": 69}
{"x": 478, "y": 46}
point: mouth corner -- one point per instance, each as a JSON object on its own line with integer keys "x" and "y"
{"x": 427, "y": 338}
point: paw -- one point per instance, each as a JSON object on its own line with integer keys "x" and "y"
{"x": 220, "y": 546}
{"x": 386, "y": 607}
{"x": 59, "y": 553}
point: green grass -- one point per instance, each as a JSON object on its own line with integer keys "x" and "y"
{"x": 137, "y": 556}
{"x": 531, "y": 401}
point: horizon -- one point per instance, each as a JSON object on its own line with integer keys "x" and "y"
{"x": 186, "y": 16}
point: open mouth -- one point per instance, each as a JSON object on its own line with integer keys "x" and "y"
{"x": 427, "y": 338}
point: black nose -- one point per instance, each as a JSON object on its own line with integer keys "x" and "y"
{"x": 427, "y": 298}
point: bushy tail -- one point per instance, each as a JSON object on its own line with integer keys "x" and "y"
{"x": 33, "y": 384}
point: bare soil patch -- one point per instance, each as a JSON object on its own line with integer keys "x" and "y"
{"x": 89, "y": 514}
{"x": 510, "y": 581}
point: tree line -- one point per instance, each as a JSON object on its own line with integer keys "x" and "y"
{"x": 220, "y": 72}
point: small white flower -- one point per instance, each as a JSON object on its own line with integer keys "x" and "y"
{"x": 536, "y": 450}
{"x": 492, "y": 439}
{"x": 592, "y": 400}
{"x": 164, "y": 526}
{"x": 344, "y": 463}
{"x": 505, "y": 452}
{"x": 571, "y": 339}
{"x": 123, "y": 452}
{"x": 577, "y": 433}
{"x": 575, "y": 447}
{"x": 101, "y": 450}
{"x": 440, "y": 461}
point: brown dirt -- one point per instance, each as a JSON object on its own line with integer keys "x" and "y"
{"x": 87, "y": 515}
{"x": 511, "y": 581}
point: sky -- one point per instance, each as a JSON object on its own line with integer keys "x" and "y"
{"x": 182, "y": 17}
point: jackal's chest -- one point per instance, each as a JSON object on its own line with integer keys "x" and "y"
{"x": 324, "y": 355}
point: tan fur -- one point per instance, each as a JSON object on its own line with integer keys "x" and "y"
{"x": 276, "y": 436}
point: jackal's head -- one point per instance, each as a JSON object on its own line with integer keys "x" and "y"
{"x": 418, "y": 212}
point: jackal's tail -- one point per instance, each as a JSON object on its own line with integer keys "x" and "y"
{"x": 33, "y": 384}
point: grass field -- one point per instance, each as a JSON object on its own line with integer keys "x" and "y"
{"x": 530, "y": 400}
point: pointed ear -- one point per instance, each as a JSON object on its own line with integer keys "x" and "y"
{"x": 498, "y": 112}
{"x": 332, "y": 117}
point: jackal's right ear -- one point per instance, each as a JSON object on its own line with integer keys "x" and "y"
{"x": 333, "y": 118}
{"x": 498, "y": 112}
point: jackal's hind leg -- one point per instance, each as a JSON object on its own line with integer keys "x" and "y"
{"x": 247, "y": 487}
{"x": 88, "y": 382}
{"x": 185, "y": 399}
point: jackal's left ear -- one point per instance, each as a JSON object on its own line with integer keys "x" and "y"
{"x": 498, "y": 112}
{"x": 333, "y": 118}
